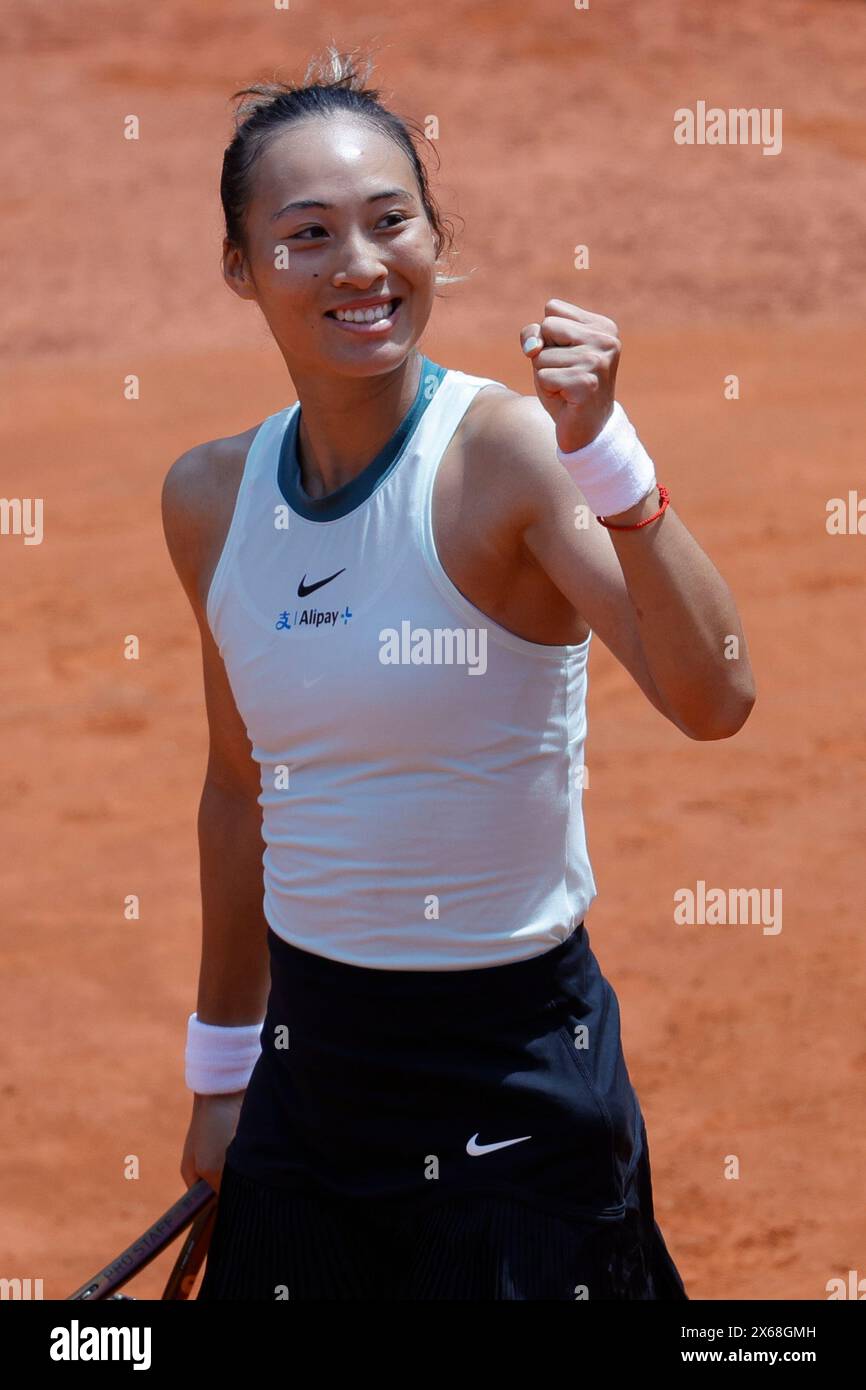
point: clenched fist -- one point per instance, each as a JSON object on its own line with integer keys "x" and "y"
{"x": 574, "y": 356}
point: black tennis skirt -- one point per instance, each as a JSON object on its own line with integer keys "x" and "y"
{"x": 460, "y": 1134}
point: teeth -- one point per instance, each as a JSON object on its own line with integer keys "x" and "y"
{"x": 366, "y": 315}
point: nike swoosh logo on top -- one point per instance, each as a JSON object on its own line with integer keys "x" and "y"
{"x": 475, "y": 1149}
{"x": 304, "y": 588}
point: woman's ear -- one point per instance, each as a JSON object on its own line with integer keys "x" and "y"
{"x": 236, "y": 271}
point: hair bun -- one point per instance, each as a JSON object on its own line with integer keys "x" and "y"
{"x": 335, "y": 68}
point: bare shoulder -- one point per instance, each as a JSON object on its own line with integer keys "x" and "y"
{"x": 510, "y": 440}
{"x": 198, "y": 497}
{"x": 517, "y": 429}
{"x": 194, "y": 484}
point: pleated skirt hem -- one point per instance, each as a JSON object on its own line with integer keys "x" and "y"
{"x": 270, "y": 1245}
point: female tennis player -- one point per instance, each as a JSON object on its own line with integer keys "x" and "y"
{"x": 407, "y": 1067}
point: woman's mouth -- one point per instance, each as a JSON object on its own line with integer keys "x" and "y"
{"x": 374, "y": 320}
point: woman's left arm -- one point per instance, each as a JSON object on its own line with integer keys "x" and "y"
{"x": 652, "y": 589}
{"x": 690, "y": 631}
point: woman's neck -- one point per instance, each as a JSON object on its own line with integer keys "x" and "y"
{"x": 338, "y": 438}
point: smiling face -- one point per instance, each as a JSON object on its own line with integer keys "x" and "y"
{"x": 367, "y": 237}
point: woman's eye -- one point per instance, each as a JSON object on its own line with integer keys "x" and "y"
{"x": 302, "y": 235}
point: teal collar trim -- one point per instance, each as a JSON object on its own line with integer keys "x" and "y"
{"x": 346, "y": 498}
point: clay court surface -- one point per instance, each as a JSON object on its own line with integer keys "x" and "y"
{"x": 555, "y": 129}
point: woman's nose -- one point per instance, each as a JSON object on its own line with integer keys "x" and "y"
{"x": 361, "y": 260}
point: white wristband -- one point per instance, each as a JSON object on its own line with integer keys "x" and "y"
{"x": 613, "y": 471}
{"x": 219, "y": 1059}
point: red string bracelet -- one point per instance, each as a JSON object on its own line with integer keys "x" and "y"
{"x": 664, "y": 497}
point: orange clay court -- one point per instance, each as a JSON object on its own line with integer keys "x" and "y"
{"x": 555, "y": 130}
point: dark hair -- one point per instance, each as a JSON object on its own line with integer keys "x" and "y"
{"x": 332, "y": 84}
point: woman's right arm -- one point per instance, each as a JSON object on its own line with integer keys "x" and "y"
{"x": 234, "y": 972}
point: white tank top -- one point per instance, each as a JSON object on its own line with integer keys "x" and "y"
{"x": 421, "y": 766}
